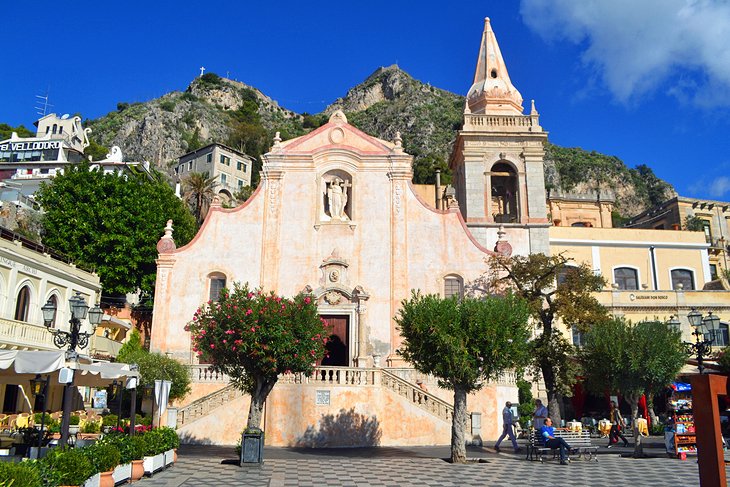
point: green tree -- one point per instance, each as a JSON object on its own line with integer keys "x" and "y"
{"x": 464, "y": 343}
{"x": 555, "y": 289}
{"x": 243, "y": 194}
{"x": 155, "y": 366}
{"x": 253, "y": 337}
{"x": 6, "y": 131}
{"x": 198, "y": 191}
{"x": 112, "y": 223}
{"x": 694, "y": 223}
{"x": 96, "y": 151}
{"x": 631, "y": 360}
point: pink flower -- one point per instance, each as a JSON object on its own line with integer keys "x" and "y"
{"x": 307, "y": 300}
{"x": 233, "y": 348}
{"x": 253, "y": 329}
{"x": 250, "y": 295}
{"x": 249, "y": 311}
{"x": 225, "y": 341}
{"x": 212, "y": 345}
{"x": 230, "y": 332}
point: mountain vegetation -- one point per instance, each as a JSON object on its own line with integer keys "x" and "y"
{"x": 216, "y": 109}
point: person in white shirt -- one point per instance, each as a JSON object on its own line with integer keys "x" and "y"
{"x": 538, "y": 417}
{"x": 508, "y": 420}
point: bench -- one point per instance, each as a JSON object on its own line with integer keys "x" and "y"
{"x": 579, "y": 441}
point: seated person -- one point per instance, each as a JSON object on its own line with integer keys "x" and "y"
{"x": 548, "y": 435}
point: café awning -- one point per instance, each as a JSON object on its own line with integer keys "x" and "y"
{"x": 19, "y": 366}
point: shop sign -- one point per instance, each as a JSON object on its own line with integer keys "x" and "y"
{"x": 24, "y": 146}
{"x": 648, "y": 297}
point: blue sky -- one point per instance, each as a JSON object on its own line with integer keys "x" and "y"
{"x": 646, "y": 81}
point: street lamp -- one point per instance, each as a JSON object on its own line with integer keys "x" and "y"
{"x": 704, "y": 332}
{"x": 38, "y": 387}
{"x": 73, "y": 338}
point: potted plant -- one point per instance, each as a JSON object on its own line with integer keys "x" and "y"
{"x": 104, "y": 458}
{"x": 129, "y": 449}
{"x": 154, "y": 458}
{"x": 170, "y": 442}
{"x": 137, "y": 448}
{"x": 25, "y": 474}
{"x": 109, "y": 422}
{"x": 73, "y": 424}
{"x": 70, "y": 465}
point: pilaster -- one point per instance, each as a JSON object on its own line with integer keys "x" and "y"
{"x": 270, "y": 250}
{"x": 399, "y": 179}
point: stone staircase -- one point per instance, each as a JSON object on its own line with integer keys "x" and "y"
{"x": 203, "y": 406}
{"x": 417, "y": 396}
{"x": 395, "y": 381}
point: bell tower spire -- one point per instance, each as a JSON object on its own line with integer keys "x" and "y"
{"x": 492, "y": 91}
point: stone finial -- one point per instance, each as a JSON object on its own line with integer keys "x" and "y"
{"x": 502, "y": 247}
{"x": 166, "y": 244}
{"x": 450, "y": 196}
{"x": 277, "y": 141}
{"x": 533, "y": 110}
{"x": 216, "y": 203}
{"x": 398, "y": 141}
{"x": 338, "y": 117}
{"x": 467, "y": 110}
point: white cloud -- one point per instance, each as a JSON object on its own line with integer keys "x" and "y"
{"x": 719, "y": 187}
{"x": 639, "y": 46}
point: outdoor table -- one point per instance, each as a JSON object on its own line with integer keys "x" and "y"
{"x": 604, "y": 427}
{"x": 643, "y": 426}
{"x": 574, "y": 426}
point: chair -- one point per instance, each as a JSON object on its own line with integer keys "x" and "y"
{"x": 10, "y": 422}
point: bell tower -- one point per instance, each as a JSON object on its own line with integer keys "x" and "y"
{"x": 497, "y": 161}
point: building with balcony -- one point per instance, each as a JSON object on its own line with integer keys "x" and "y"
{"x": 230, "y": 168}
{"x": 713, "y": 216}
{"x": 30, "y": 276}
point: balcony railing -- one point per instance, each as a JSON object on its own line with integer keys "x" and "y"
{"x": 19, "y": 335}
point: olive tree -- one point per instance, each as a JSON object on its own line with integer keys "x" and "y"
{"x": 463, "y": 343}
{"x": 253, "y": 337}
{"x": 555, "y": 289}
{"x": 620, "y": 357}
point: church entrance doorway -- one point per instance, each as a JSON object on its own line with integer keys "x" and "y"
{"x": 338, "y": 348}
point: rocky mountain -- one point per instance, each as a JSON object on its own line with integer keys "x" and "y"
{"x": 388, "y": 101}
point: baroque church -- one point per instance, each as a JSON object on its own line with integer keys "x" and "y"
{"x": 337, "y": 216}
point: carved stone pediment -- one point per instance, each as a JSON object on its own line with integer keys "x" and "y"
{"x": 334, "y": 271}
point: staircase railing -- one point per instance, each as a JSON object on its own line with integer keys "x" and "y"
{"x": 203, "y": 406}
{"x": 415, "y": 395}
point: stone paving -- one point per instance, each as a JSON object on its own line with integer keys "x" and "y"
{"x": 200, "y": 466}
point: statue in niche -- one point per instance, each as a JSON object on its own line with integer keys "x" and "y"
{"x": 337, "y": 198}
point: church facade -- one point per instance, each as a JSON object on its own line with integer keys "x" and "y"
{"x": 336, "y": 216}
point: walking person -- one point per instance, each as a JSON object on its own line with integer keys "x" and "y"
{"x": 508, "y": 420}
{"x": 538, "y": 417}
{"x": 548, "y": 434}
{"x": 617, "y": 424}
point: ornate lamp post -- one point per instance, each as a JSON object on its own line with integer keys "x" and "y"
{"x": 39, "y": 386}
{"x": 704, "y": 334}
{"x": 73, "y": 338}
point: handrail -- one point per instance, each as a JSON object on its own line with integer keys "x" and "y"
{"x": 201, "y": 407}
{"x": 423, "y": 399}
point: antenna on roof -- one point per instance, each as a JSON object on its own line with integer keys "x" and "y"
{"x": 42, "y": 110}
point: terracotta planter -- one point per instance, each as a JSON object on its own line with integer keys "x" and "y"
{"x": 106, "y": 479}
{"x": 175, "y": 456}
{"x": 137, "y": 470}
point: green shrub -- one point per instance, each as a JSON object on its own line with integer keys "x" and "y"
{"x": 19, "y": 474}
{"x": 45, "y": 417}
{"x": 155, "y": 442}
{"x": 144, "y": 420}
{"x": 71, "y": 465}
{"x": 90, "y": 427}
{"x": 74, "y": 419}
{"x": 110, "y": 420}
{"x": 129, "y": 447}
{"x": 170, "y": 438}
{"x": 102, "y": 456}
{"x": 167, "y": 105}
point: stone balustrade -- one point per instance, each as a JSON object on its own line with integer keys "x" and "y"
{"x": 505, "y": 122}
{"x": 334, "y": 376}
{"x": 20, "y": 335}
{"x": 202, "y": 373}
{"x": 417, "y": 396}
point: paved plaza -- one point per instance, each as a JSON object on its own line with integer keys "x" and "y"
{"x": 200, "y": 466}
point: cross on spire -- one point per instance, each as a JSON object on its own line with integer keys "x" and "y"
{"x": 202, "y": 70}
